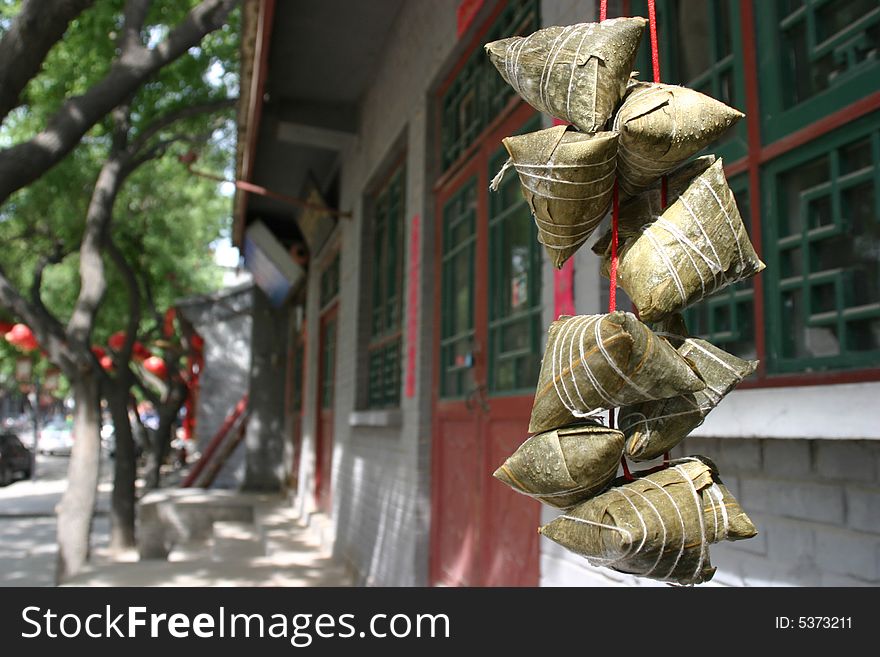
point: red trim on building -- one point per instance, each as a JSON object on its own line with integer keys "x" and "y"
{"x": 815, "y": 130}
{"x": 255, "y": 108}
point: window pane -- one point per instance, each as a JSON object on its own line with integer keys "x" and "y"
{"x": 479, "y": 93}
{"x": 825, "y": 44}
{"x": 457, "y": 293}
{"x": 386, "y": 272}
{"x": 514, "y": 287}
{"x": 829, "y": 259}
{"x": 694, "y": 53}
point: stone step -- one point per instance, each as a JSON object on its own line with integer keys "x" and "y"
{"x": 236, "y": 541}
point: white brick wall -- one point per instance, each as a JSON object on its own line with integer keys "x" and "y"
{"x": 381, "y": 475}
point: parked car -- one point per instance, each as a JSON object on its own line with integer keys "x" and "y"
{"x": 15, "y": 459}
{"x": 57, "y": 438}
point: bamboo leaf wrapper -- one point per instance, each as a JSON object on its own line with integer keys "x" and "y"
{"x": 698, "y": 246}
{"x": 593, "y": 362}
{"x": 658, "y": 526}
{"x": 655, "y": 427}
{"x": 564, "y": 466}
{"x": 567, "y": 178}
{"x": 576, "y": 73}
{"x": 661, "y": 126}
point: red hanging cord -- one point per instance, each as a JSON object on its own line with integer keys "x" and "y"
{"x": 655, "y": 50}
{"x": 612, "y": 275}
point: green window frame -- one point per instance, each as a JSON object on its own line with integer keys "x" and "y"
{"x": 478, "y": 93}
{"x": 457, "y": 292}
{"x": 815, "y": 57}
{"x": 515, "y": 322}
{"x": 709, "y": 60}
{"x": 727, "y": 318}
{"x": 386, "y": 292}
{"x": 822, "y": 286}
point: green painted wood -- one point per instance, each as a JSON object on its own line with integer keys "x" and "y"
{"x": 821, "y": 233}
{"x": 478, "y": 93}
{"x": 386, "y": 284}
{"x": 814, "y": 57}
{"x": 515, "y": 330}
{"x": 457, "y": 292}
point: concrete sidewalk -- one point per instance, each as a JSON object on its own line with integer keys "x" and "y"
{"x": 273, "y": 549}
{"x": 268, "y": 546}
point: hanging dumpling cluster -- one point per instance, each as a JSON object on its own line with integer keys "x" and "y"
{"x": 640, "y": 136}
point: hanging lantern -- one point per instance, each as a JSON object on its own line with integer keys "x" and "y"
{"x": 117, "y": 341}
{"x": 106, "y": 363}
{"x": 155, "y": 365}
{"x": 99, "y": 352}
{"x": 21, "y": 336}
{"x": 6, "y": 327}
{"x": 140, "y": 352}
{"x": 197, "y": 342}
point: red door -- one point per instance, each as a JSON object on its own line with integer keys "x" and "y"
{"x": 487, "y": 354}
{"x": 326, "y": 390}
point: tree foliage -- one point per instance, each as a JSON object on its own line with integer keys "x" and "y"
{"x": 165, "y": 219}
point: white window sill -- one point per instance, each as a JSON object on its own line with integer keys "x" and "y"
{"x": 375, "y": 418}
{"x": 845, "y": 411}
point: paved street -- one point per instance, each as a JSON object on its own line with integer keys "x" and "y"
{"x": 27, "y": 523}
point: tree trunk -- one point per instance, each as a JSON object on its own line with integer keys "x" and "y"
{"x": 77, "y": 505}
{"x": 160, "y": 447}
{"x": 122, "y": 513}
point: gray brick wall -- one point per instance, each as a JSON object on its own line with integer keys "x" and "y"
{"x": 224, "y": 321}
{"x": 381, "y": 475}
{"x": 816, "y": 505}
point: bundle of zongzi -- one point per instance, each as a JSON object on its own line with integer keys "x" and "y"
{"x": 658, "y": 526}
{"x": 698, "y": 246}
{"x": 564, "y": 466}
{"x": 567, "y": 179}
{"x": 661, "y": 126}
{"x": 655, "y": 427}
{"x": 576, "y": 73}
{"x": 594, "y": 362}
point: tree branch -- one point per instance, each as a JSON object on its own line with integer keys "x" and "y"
{"x": 134, "y": 15}
{"x": 47, "y": 329}
{"x": 172, "y": 117}
{"x": 58, "y": 254}
{"x": 134, "y": 301}
{"x": 38, "y": 26}
{"x": 93, "y": 280}
{"x": 23, "y": 163}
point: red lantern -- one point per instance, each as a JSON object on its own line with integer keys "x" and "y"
{"x": 197, "y": 342}
{"x": 106, "y": 363}
{"x": 140, "y": 352}
{"x": 155, "y": 365}
{"x": 5, "y": 327}
{"x": 116, "y": 341}
{"x": 21, "y": 336}
{"x": 99, "y": 353}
